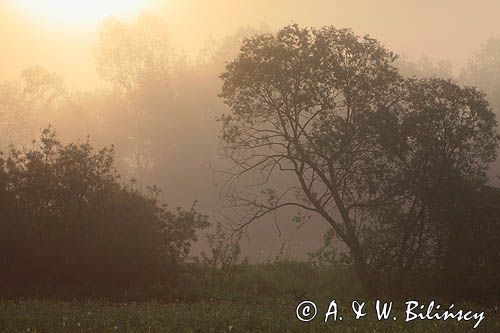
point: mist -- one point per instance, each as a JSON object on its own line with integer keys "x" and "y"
{"x": 439, "y": 30}
{"x": 181, "y": 134}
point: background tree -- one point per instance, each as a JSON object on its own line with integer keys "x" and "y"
{"x": 483, "y": 71}
{"x": 139, "y": 61}
{"x": 424, "y": 68}
{"x": 23, "y": 101}
{"x": 322, "y": 121}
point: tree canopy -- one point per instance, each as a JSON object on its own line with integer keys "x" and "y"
{"x": 321, "y": 120}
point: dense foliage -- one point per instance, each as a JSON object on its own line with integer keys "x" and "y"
{"x": 321, "y": 120}
{"x": 66, "y": 217}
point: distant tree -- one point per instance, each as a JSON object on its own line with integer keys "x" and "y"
{"x": 326, "y": 113}
{"x": 128, "y": 55}
{"x": 483, "y": 71}
{"x": 424, "y": 68}
{"x": 66, "y": 217}
{"x": 138, "y": 61}
{"x": 217, "y": 52}
{"x": 23, "y": 101}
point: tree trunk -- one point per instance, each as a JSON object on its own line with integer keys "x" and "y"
{"x": 361, "y": 268}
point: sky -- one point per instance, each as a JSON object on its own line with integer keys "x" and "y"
{"x": 60, "y": 39}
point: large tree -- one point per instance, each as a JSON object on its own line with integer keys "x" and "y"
{"x": 321, "y": 120}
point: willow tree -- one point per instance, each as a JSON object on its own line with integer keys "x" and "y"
{"x": 327, "y": 113}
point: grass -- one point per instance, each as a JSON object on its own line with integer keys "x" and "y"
{"x": 94, "y": 316}
{"x": 250, "y": 298}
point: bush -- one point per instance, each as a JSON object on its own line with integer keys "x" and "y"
{"x": 66, "y": 217}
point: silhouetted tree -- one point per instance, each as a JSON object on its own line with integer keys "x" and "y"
{"x": 356, "y": 144}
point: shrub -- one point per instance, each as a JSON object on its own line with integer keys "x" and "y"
{"x": 66, "y": 217}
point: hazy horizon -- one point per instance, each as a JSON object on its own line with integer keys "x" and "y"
{"x": 445, "y": 30}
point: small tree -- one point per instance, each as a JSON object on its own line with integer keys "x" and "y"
{"x": 321, "y": 120}
{"x": 223, "y": 255}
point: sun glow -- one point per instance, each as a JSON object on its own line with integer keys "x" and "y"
{"x": 81, "y": 12}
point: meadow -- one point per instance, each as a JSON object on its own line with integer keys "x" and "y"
{"x": 95, "y": 316}
{"x": 247, "y": 298}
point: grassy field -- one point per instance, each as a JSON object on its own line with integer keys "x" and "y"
{"x": 93, "y": 316}
{"x": 252, "y": 298}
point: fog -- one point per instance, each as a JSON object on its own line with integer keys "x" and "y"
{"x": 440, "y": 30}
{"x": 179, "y": 136}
